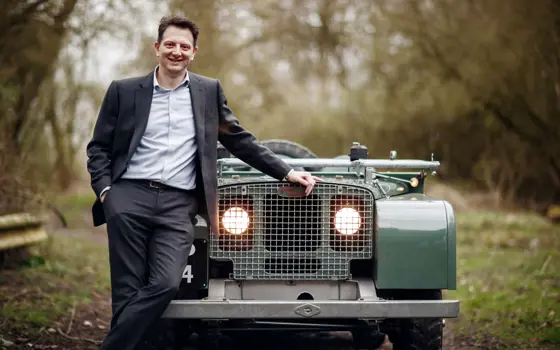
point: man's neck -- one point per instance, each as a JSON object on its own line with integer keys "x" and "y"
{"x": 169, "y": 81}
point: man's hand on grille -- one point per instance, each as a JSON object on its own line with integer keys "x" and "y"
{"x": 304, "y": 178}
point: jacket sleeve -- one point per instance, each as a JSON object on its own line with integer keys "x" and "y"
{"x": 245, "y": 146}
{"x": 100, "y": 147}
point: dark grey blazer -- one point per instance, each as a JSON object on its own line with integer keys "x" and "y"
{"x": 122, "y": 120}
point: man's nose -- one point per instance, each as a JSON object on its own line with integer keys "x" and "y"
{"x": 177, "y": 50}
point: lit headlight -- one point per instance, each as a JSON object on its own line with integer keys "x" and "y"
{"x": 347, "y": 221}
{"x": 236, "y": 220}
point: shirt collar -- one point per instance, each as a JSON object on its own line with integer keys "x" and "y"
{"x": 186, "y": 80}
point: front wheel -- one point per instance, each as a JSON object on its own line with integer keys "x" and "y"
{"x": 415, "y": 333}
{"x": 426, "y": 333}
{"x": 369, "y": 339}
{"x": 168, "y": 334}
{"x": 290, "y": 149}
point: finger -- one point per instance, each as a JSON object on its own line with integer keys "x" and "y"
{"x": 307, "y": 176}
{"x": 311, "y": 177}
{"x": 317, "y": 179}
{"x": 309, "y": 188}
{"x": 303, "y": 181}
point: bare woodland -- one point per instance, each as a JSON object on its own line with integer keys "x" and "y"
{"x": 475, "y": 82}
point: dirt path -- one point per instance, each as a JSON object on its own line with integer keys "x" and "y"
{"x": 91, "y": 322}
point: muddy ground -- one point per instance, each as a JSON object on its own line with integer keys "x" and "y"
{"x": 85, "y": 325}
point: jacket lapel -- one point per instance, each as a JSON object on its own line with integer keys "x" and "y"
{"x": 198, "y": 98}
{"x": 142, "y": 104}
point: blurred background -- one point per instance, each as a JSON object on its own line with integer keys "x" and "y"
{"x": 475, "y": 82}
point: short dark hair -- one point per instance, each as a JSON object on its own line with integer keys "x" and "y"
{"x": 177, "y": 21}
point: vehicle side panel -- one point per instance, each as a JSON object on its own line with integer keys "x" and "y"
{"x": 451, "y": 247}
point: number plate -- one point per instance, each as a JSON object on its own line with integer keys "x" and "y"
{"x": 195, "y": 275}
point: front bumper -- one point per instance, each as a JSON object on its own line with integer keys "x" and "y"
{"x": 266, "y": 309}
{"x": 258, "y": 300}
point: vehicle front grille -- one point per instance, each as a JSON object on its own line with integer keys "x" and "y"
{"x": 291, "y": 224}
{"x": 290, "y": 236}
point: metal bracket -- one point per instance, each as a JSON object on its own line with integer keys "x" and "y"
{"x": 376, "y": 182}
{"x": 368, "y": 175}
{"x": 367, "y": 289}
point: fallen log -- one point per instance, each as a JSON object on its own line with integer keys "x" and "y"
{"x": 19, "y": 230}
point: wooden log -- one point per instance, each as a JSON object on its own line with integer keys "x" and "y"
{"x": 20, "y": 229}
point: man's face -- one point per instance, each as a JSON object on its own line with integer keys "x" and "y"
{"x": 176, "y": 50}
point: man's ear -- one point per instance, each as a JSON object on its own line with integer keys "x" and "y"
{"x": 193, "y": 53}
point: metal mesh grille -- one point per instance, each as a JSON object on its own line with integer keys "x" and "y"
{"x": 276, "y": 233}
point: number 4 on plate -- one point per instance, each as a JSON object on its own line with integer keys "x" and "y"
{"x": 188, "y": 273}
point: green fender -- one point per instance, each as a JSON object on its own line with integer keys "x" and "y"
{"x": 415, "y": 245}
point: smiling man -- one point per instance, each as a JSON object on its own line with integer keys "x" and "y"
{"x": 152, "y": 160}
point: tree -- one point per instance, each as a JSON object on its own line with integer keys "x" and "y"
{"x": 486, "y": 68}
{"x": 46, "y": 96}
{"x": 475, "y": 82}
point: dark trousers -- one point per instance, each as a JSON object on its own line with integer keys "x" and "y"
{"x": 150, "y": 233}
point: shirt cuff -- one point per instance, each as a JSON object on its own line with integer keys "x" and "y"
{"x": 104, "y": 190}
{"x": 288, "y": 174}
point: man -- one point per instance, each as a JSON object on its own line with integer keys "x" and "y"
{"x": 152, "y": 161}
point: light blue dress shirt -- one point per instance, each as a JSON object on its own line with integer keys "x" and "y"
{"x": 167, "y": 150}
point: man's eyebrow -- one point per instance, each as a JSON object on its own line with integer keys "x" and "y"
{"x": 180, "y": 42}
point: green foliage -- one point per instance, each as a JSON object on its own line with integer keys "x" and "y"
{"x": 507, "y": 280}
{"x": 75, "y": 208}
{"x": 474, "y": 82}
{"x": 43, "y": 289}
{"x": 46, "y": 100}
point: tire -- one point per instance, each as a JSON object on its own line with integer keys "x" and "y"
{"x": 291, "y": 149}
{"x": 368, "y": 339}
{"x": 287, "y": 149}
{"x": 168, "y": 334}
{"x": 416, "y": 333}
{"x": 212, "y": 339}
{"x": 426, "y": 333}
